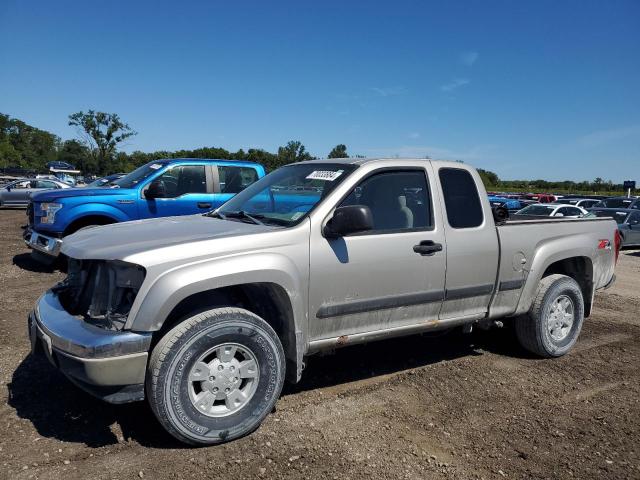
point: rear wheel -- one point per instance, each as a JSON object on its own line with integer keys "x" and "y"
{"x": 552, "y": 325}
{"x": 216, "y": 376}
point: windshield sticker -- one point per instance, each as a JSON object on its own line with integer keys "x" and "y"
{"x": 326, "y": 175}
{"x": 296, "y": 215}
{"x": 155, "y": 166}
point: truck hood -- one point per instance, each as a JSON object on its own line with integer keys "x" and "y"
{"x": 51, "y": 195}
{"x": 121, "y": 240}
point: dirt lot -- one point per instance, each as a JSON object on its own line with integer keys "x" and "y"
{"x": 456, "y": 406}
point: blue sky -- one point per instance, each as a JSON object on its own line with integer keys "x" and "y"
{"x": 539, "y": 89}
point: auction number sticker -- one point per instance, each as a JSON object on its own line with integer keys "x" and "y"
{"x": 326, "y": 175}
{"x": 155, "y": 166}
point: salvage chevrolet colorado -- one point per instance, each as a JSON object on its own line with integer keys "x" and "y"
{"x": 206, "y": 315}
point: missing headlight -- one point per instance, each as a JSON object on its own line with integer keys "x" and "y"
{"x": 101, "y": 292}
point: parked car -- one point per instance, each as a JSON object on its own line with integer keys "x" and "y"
{"x": 161, "y": 188}
{"x": 105, "y": 181}
{"x": 619, "y": 202}
{"x": 59, "y": 165}
{"x": 18, "y": 192}
{"x": 511, "y": 204}
{"x": 205, "y": 315}
{"x": 628, "y": 221}
{"x": 539, "y": 197}
{"x": 551, "y": 210}
{"x": 578, "y": 202}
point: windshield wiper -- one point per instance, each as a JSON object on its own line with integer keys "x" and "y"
{"x": 244, "y": 215}
{"x": 215, "y": 214}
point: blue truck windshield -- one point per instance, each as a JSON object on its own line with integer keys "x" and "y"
{"x": 138, "y": 175}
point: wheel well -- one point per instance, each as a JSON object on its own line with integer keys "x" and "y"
{"x": 267, "y": 300}
{"x": 87, "y": 221}
{"x": 581, "y": 270}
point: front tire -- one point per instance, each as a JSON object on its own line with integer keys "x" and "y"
{"x": 552, "y": 325}
{"x": 216, "y": 376}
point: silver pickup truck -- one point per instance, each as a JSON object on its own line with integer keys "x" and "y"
{"x": 205, "y": 315}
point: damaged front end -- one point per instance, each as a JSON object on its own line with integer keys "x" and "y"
{"x": 101, "y": 292}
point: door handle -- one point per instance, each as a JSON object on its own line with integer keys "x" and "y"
{"x": 204, "y": 205}
{"x": 427, "y": 248}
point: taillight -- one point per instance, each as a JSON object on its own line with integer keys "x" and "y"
{"x": 617, "y": 243}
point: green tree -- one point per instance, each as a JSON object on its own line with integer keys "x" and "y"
{"x": 339, "y": 151}
{"x": 101, "y": 132}
{"x": 293, "y": 151}
{"x": 77, "y": 154}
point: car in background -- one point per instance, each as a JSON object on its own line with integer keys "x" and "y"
{"x": 619, "y": 203}
{"x": 628, "y": 221}
{"x": 18, "y": 193}
{"x": 105, "y": 181}
{"x": 511, "y": 204}
{"x": 578, "y": 202}
{"x": 538, "y": 210}
{"x": 161, "y": 188}
{"x": 59, "y": 165}
{"x": 538, "y": 198}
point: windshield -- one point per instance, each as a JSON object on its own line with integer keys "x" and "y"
{"x": 616, "y": 203}
{"x": 287, "y": 195}
{"x": 101, "y": 182}
{"x": 138, "y": 175}
{"x": 537, "y": 210}
{"x": 619, "y": 217}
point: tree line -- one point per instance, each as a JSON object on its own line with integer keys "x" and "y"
{"x": 95, "y": 151}
{"x": 25, "y": 147}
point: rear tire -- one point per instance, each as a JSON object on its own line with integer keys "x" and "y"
{"x": 552, "y": 325}
{"x": 216, "y": 376}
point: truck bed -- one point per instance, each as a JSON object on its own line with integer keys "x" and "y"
{"x": 530, "y": 246}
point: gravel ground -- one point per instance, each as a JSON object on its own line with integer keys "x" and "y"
{"x": 453, "y": 406}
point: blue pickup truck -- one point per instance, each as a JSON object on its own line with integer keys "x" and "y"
{"x": 162, "y": 188}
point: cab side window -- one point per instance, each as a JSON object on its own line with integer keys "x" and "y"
{"x": 461, "y": 199}
{"x": 184, "y": 179}
{"x": 235, "y": 179}
{"x": 45, "y": 184}
{"x": 634, "y": 218}
{"x": 398, "y": 200}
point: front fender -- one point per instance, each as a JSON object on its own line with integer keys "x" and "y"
{"x": 94, "y": 209}
{"x": 169, "y": 288}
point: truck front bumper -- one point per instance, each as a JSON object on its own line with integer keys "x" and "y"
{"x": 108, "y": 364}
{"x": 42, "y": 243}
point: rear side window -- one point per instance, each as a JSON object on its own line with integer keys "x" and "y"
{"x": 236, "y": 179}
{"x": 461, "y": 199}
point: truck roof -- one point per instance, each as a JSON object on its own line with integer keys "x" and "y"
{"x": 364, "y": 161}
{"x": 217, "y": 160}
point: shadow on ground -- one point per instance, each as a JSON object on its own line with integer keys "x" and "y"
{"x": 60, "y": 410}
{"x": 26, "y": 262}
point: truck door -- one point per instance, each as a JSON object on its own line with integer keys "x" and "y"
{"x": 472, "y": 245}
{"x": 188, "y": 189}
{"x": 390, "y": 277}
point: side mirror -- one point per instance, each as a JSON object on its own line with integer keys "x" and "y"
{"x": 156, "y": 189}
{"x": 8, "y": 188}
{"x": 348, "y": 220}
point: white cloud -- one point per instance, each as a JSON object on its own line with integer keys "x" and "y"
{"x": 455, "y": 83}
{"x": 414, "y": 135}
{"x": 468, "y": 58}
{"x": 389, "y": 91}
{"x": 602, "y": 137}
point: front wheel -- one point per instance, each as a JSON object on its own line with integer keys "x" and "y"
{"x": 215, "y": 376}
{"x": 552, "y": 325}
